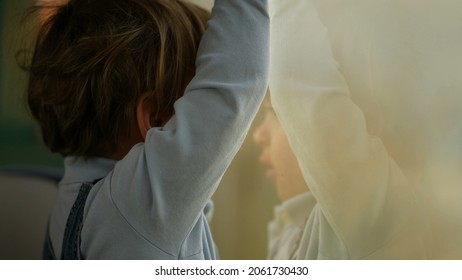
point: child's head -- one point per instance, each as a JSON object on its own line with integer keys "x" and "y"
{"x": 96, "y": 61}
{"x": 283, "y": 168}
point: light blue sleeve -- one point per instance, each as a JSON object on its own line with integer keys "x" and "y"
{"x": 162, "y": 186}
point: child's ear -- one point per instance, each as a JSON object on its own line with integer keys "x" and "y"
{"x": 144, "y": 111}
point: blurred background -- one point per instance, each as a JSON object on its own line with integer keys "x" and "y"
{"x": 243, "y": 202}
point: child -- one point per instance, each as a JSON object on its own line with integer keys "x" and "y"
{"x": 286, "y": 229}
{"x": 106, "y": 85}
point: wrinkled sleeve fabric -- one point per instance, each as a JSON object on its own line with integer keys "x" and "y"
{"x": 362, "y": 193}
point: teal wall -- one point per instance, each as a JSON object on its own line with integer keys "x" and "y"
{"x": 2, "y": 12}
{"x": 20, "y": 142}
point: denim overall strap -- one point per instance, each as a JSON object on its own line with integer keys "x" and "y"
{"x": 71, "y": 241}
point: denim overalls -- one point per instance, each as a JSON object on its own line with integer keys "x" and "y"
{"x": 71, "y": 241}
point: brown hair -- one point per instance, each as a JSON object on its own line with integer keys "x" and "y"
{"x": 94, "y": 59}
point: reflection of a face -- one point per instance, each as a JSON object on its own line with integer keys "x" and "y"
{"x": 277, "y": 156}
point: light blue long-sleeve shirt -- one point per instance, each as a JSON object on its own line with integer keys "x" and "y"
{"x": 150, "y": 204}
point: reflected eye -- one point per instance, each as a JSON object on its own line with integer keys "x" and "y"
{"x": 270, "y": 111}
{"x": 266, "y": 104}
{"x": 270, "y": 115}
{"x": 267, "y": 109}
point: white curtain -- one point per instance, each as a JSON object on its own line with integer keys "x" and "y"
{"x": 400, "y": 63}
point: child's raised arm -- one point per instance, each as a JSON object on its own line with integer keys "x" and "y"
{"x": 168, "y": 180}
